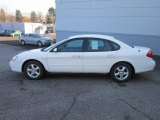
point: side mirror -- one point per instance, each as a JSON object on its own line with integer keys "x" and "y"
{"x": 55, "y": 50}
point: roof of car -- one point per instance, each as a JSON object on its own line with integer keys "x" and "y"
{"x": 92, "y": 36}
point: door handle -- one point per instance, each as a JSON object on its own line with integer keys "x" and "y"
{"x": 111, "y": 56}
{"x": 76, "y": 56}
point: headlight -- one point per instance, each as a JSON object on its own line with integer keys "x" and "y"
{"x": 14, "y": 58}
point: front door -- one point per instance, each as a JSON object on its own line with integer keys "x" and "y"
{"x": 67, "y": 58}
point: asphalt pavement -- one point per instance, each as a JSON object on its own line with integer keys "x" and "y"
{"x": 75, "y": 96}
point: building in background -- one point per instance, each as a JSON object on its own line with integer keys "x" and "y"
{"x": 136, "y": 22}
{"x": 50, "y": 28}
{"x": 24, "y": 27}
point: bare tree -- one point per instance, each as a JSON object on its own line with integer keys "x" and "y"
{"x": 40, "y": 17}
{"x": 10, "y": 18}
{"x": 2, "y": 15}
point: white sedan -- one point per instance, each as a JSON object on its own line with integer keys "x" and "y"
{"x": 85, "y": 54}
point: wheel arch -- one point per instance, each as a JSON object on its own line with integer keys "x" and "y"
{"x": 22, "y": 69}
{"x": 39, "y": 41}
{"x": 132, "y": 67}
{"x": 22, "y": 40}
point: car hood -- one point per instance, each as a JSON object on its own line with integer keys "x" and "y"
{"x": 35, "y": 53}
{"x": 32, "y": 51}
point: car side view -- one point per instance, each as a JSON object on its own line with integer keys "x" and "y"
{"x": 13, "y": 33}
{"x": 35, "y": 39}
{"x": 90, "y": 53}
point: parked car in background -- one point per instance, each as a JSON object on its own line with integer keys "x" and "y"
{"x": 85, "y": 54}
{"x": 35, "y": 39}
{"x": 13, "y": 33}
{"x": 2, "y": 32}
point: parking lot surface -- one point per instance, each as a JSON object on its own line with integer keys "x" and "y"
{"x": 75, "y": 96}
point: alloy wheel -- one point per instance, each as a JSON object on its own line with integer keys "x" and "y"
{"x": 121, "y": 73}
{"x": 39, "y": 44}
{"x": 33, "y": 71}
{"x": 22, "y": 42}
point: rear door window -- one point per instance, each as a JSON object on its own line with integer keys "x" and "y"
{"x": 97, "y": 45}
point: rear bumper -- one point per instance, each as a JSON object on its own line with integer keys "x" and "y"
{"x": 145, "y": 66}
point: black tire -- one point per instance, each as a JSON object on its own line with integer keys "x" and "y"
{"x": 39, "y": 43}
{"x": 33, "y": 70}
{"x": 121, "y": 72}
{"x": 23, "y": 42}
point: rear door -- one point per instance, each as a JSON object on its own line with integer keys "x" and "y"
{"x": 99, "y": 56}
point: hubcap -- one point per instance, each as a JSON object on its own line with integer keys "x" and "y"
{"x": 22, "y": 42}
{"x": 39, "y": 44}
{"x": 121, "y": 73}
{"x": 33, "y": 70}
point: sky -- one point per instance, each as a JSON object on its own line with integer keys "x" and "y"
{"x": 26, "y": 6}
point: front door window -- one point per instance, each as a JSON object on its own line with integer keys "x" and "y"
{"x": 71, "y": 46}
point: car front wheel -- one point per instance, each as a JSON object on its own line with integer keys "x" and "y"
{"x": 121, "y": 72}
{"x": 33, "y": 70}
{"x": 22, "y": 42}
{"x": 39, "y": 44}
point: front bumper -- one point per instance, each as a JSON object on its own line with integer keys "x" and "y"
{"x": 15, "y": 66}
{"x": 48, "y": 42}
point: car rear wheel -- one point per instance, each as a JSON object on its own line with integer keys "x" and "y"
{"x": 33, "y": 70}
{"x": 121, "y": 72}
{"x": 39, "y": 44}
{"x": 22, "y": 42}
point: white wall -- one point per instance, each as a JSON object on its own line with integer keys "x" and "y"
{"x": 31, "y": 27}
{"x": 134, "y": 21}
{"x": 114, "y": 16}
{"x": 24, "y": 27}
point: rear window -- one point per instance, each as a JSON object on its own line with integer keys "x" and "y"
{"x": 115, "y": 46}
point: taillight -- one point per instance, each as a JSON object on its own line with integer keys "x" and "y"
{"x": 150, "y": 54}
